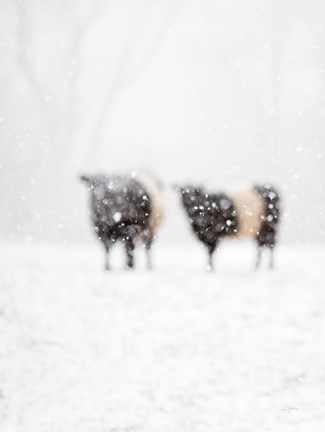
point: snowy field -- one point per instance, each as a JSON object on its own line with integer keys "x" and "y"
{"x": 176, "y": 349}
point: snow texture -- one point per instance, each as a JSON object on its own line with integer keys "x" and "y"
{"x": 175, "y": 349}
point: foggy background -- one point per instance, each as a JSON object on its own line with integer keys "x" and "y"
{"x": 209, "y": 90}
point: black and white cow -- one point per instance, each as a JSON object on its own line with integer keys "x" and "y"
{"x": 126, "y": 208}
{"x": 253, "y": 212}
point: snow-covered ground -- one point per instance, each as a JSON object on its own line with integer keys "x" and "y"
{"x": 176, "y": 349}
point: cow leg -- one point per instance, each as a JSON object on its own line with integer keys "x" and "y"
{"x": 129, "y": 248}
{"x": 271, "y": 263}
{"x": 107, "y": 249}
{"x": 211, "y": 249}
{"x": 258, "y": 257}
{"x": 148, "y": 245}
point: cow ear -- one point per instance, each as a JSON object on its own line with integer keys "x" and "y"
{"x": 85, "y": 178}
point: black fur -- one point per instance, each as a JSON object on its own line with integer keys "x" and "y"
{"x": 268, "y": 232}
{"x": 267, "y": 236}
{"x": 120, "y": 210}
{"x": 213, "y": 216}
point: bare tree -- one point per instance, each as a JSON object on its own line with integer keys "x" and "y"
{"x": 124, "y": 73}
{"x": 59, "y": 130}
